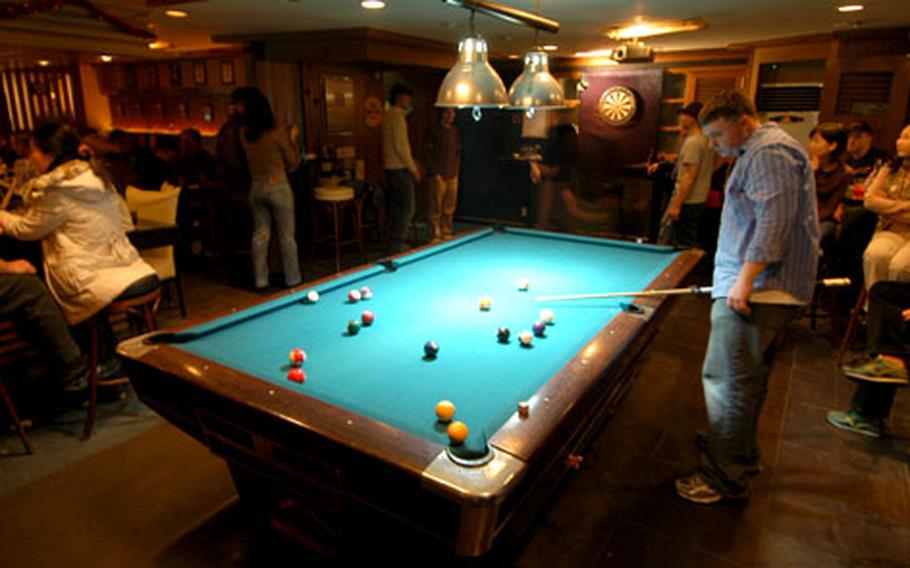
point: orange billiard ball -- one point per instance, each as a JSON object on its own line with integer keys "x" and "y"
{"x": 445, "y": 410}
{"x": 458, "y": 432}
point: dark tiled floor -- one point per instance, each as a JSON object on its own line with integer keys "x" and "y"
{"x": 143, "y": 494}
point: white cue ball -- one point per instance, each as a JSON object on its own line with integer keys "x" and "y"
{"x": 523, "y": 284}
{"x": 312, "y": 296}
{"x": 547, "y": 316}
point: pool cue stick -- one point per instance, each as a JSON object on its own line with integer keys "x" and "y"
{"x": 827, "y": 282}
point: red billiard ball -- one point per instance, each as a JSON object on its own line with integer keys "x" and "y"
{"x": 297, "y": 357}
{"x": 354, "y": 296}
{"x": 296, "y": 375}
{"x": 367, "y": 317}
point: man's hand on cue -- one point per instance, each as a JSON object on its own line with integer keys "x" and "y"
{"x": 738, "y": 297}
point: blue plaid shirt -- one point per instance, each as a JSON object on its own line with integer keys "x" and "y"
{"x": 770, "y": 215}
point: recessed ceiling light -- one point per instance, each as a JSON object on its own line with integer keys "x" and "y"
{"x": 550, "y": 47}
{"x": 43, "y": 62}
{"x": 372, "y": 4}
{"x": 105, "y": 58}
{"x": 158, "y": 44}
{"x": 176, "y": 13}
{"x": 847, "y": 8}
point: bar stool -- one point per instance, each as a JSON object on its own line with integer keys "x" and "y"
{"x": 13, "y": 348}
{"x": 852, "y": 325}
{"x": 143, "y": 308}
{"x": 336, "y": 201}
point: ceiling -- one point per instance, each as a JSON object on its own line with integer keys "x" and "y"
{"x": 583, "y": 22}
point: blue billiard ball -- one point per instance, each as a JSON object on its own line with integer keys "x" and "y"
{"x": 502, "y": 334}
{"x": 539, "y": 328}
{"x": 431, "y": 348}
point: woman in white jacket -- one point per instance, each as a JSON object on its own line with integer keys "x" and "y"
{"x": 81, "y": 222}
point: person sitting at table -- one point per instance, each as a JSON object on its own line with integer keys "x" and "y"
{"x": 827, "y": 143}
{"x": 884, "y": 368}
{"x": 81, "y": 222}
{"x": 195, "y": 165}
{"x": 24, "y": 300}
{"x": 888, "y": 255}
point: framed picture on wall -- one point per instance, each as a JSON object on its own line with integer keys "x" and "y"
{"x": 227, "y": 72}
{"x": 174, "y": 74}
{"x": 339, "y": 104}
{"x": 199, "y": 76}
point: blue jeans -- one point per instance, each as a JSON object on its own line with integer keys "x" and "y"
{"x": 401, "y": 203}
{"x": 735, "y": 380}
{"x": 268, "y": 202}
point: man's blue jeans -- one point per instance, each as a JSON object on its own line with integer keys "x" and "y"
{"x": 735, "y": 379}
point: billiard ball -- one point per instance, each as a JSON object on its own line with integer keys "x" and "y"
{"x": 297, "y": 357}
{"x": 353, "y": 327}
{"x": 525, "y": 337}
{"x": 367, "y": 317}
{"x": 431, "y": 349}
{"x": 524, "y": 409}
{"x": 366, "y": 293}
{"x": 502, "y": 334}
{"x": 312, "y": 296}
{"x": 354, "y": 296}
{"x": 458, "y": 432}
{"x": 547, "y": 316}
{"x": 486, "y": 303}
{"x": 296, "y": 375}
{"x": 445, "y": 410}
{"x": 539, "y": 328}
{"x": 523, "y": 284}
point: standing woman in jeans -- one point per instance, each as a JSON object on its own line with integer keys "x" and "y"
{"x": 270, "y": 154}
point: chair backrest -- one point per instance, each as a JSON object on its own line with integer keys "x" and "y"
{"x": 158, "y": 206}
{"x": 161, "y": 207}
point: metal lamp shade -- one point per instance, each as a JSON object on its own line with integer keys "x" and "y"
{"x": 535, "y": 87}
{"x": 472, "y": 81}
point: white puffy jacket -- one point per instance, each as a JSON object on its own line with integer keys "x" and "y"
{"x": 82, "y": 224}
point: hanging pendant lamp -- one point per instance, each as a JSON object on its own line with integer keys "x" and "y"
{"x": 536, "y": 88}
{"x": 472, "y": 81}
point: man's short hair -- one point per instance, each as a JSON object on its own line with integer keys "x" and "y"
{"x": 727, "y": 104}
{"x": 861, "y": 127}
{"x": 833, "y": 133}
{"x": 397, "y": 91}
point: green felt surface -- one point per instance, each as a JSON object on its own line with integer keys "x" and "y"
{"x": 381, "y": 372}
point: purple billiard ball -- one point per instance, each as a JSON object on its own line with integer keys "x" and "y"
{"x": 431, "y": 349}
{"x": 539, "y": 327}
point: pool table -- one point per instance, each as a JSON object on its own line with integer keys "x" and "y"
{"x": 361, "y": 434}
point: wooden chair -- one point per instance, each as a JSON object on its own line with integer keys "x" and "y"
{"x": 141, "y": 309}
{"x": 850, "y": 333}
{"x": 14, "y": 348}
{"x": 160, "y": 207}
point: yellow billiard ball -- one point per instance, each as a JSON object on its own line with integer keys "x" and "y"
{"x": 458, "y": 432}
{"x": 445, "y": 410}
{"x": 486, "y": 303}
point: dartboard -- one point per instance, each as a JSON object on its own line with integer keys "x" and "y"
{"x": 617, "y": 105}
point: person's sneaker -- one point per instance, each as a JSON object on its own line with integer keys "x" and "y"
{"x": 701, "y": 441}
{"x": 880, "y": 369}
{"x": 696, "y": 489}
{"x": 851, "y": 421}
{"x": 76, "y": 381}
